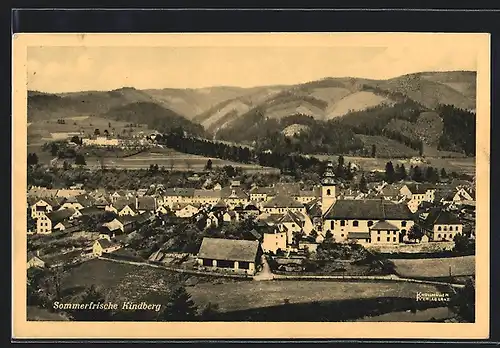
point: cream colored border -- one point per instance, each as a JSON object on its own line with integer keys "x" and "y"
{"x": 118, "y": 330}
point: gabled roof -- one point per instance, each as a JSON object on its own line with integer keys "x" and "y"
{"x": 384, "y": 225}
{"x": 229, "y": 249}
{"x": 180, "y": 192}
{"x": 113, "y": 225}
{"x": 368, "y": 209}
{"x": 105, "y": 243}
{"x": 91, "y": 211}
{"x": 220, "y": 204}
{"x": 282, "y": 201}
{"x": 207, "y": 193}
{"x": 52, "y": 201}
{"x": 313, "y": 208}
{"x": 146, "y": 203}
{"x": 270, "y": 218}
{"x": 101, "y": 201}
{"x": 438, "y": 216}
{"x": 233, "y": 192}
{"x": 358, "y": 235}
{"x": 60, "y": 215}
{"x": 419, "y": 188}
{"x": 122, "y": 202}
{"x": 262, "y": 190}
{"x": 310, "y": 193}
{"x": 85, "y": 200}
{"x": 290, "y": 217}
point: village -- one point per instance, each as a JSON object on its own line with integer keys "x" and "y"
{"x": 253, "y": 232}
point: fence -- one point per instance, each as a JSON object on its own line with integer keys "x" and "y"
{"x": 178, "y": 270}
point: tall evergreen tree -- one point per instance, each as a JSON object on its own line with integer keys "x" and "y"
{"x": 374, "y": 151}
{"x": 402, "y": 172}
{"x": 389, "y": 172}
{"x": 180, "y": 306}
{"x": 363, "y": 187}
{"x": 417, "y": 174}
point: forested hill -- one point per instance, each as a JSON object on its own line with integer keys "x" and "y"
{"x": 155, "y": 116}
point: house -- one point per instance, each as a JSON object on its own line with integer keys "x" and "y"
{"x": 346, "y": 217}
{"x": 418, "y": 193}
{"x": 281, "y": 204}
{"x": 214, "y": 219}
{"x": 145, "y": 204}
{"x": 241, "y": 256}
{"x": 124, "y": 206}
{"x": 102, "y": 203}
{"x": 307, "y": 196}
{"x": 45, "y": 205}
{"x": 65, "y": 193}
{"x": 383, "y": 232}
{"x": 234, "y": 196}
{"x": 186, "y": 210}
{"x": 217, "y": 187}
{"x": 104, "y": 245}
{"x": 274, "y": 239}
{"x": 178, "y": 195}
{"x": 35, "y": 261}
{"x": 235, "y": 183}
{"x": 230, "y": 216}
{"x": 206, "y": 196}
{"x": 67, "y": 226}
{"x": 112, "y": 228}
{"x": 162, "y": 210}
{"x": 441, "y": 225}
{"x": 261, "y": 194}
{"x": 250, "y": 210}
{"x": 46, "y": 222}
{"x": 90, "y": 212}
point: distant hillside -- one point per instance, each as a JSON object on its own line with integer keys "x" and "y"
{"x": 155, "y": 116}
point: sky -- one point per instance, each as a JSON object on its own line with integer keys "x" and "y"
{"x": 81, "y": 68}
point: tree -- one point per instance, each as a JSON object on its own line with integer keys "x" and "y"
{"x": 208, "y": 166}
{"x": 415, "y": 233}
{"x": 80, "y": 160}
{"x": 374, "y": 150}
{"x": 389, "y": 172}
{"x": 180, "y": 306}
{"x": 417, "y": 174}
{"x": 363, "y": 187}
{"x": 402, "y": 172}
{"x": 463, "y": 244}
{"x": 97, "y": 131}
{"x": 464, "y": 302}
{"x": 209, "y": 312}
{"x": 76, "y": 139}
{"x": 420, "y": 148}
{"x": 54, "y": 149}
{"x": 66, "y": 165}
{"x": 32, "y": 159}
{"x": 106, "y": 132}
{"x": 329, "y": 237}
{"x": 444, "y": 175}
{"x": 109, "y": 124}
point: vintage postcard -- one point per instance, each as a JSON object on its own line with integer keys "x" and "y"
{"x": 244, "y": 185}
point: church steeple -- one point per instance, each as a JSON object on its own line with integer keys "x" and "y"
{"x": 328, "y": 188}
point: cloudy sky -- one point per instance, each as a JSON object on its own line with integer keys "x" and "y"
{"x": 79, "y": 67}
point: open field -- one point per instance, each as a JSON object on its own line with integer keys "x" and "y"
{"x": 126, "y": 282}
{"x": 435, "y": 268}
{"x": 51, "y": 130}
{"x": 171, "y": 160}
{"x": 385, "y": 147}
{"x": 460, "y": 165}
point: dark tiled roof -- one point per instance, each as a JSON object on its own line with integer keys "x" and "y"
{"x": 419, "y": 188}
{"x": 438, "y": 216}
{"x": 358, "y": 235}
{"x": 263, "y": 190}
{"x": 85, "y": 200}
{"x": 60, "y": 215}
{"x": 105, "y": 243}
{"x": 233, "y": 192}
{"x": 372, "y": 209}
{"x": 282, "y": 201}
{"x": 181, "y": 192}
{"x": 384, "y": 225}
{"x": 122, "y": 202}
{"x": 228, "y": 249}
{"x": 92, "y": 211}
{"x": 146, "y": 203}
{"x": 207, "y": 193}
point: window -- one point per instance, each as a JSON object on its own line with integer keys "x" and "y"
{"x": 293, "y": 225}
{"x": 451, "y": 228}
{"x": 403, "y": 223}
{"x": 342, "y": 223}
{"x": 328, "y": 192}
{"x": 394, "y": 239}
{"x": 456, "y": 228}
{"x": 378, "y": 232}
{"x": 342, "y": 235}
{"x": 355, "y": 223}
{"x": 332, "y": 224}
{"x": 207, "y": 262}
{"x": 370, "y": 223}
{"x": 439, "y": 228}
{"x": 439, "y": 236}
{"x": 388, "y": 239}
{"x": 378, "y": 239}
{"x": 445, "y": 228}
{"x": 451, "y": 236}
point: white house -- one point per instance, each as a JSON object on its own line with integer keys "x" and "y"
{"x": 442, "y": 225}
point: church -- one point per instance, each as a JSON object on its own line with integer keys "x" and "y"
{"x": 366, "y": 221}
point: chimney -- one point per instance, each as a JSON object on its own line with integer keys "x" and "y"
{"x": 38, "y": 253}
{"x": 136, "y": 203}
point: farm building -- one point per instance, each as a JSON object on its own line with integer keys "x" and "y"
{"x": 240, "y": 256}
{"x": 441, "y": 225}
{"x": 104, "y": 245}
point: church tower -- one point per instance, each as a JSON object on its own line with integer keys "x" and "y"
{"x": 328, "y": 188}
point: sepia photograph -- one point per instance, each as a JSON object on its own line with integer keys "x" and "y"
{"x": 216, "y": 179}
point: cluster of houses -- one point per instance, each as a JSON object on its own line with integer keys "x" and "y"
{"x": 288, "y": 217}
